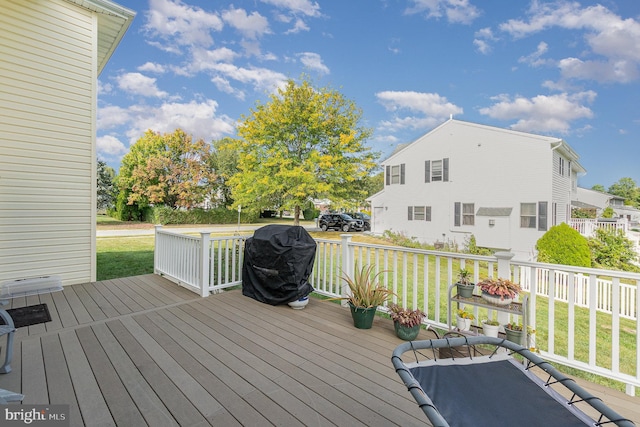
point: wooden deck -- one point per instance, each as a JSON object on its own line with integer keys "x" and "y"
{"x": 143, "y": 351}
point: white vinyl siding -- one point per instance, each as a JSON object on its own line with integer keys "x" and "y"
{"x": 48, "y": 75}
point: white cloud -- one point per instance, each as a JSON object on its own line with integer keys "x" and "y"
{"x": 482, "y": 39}
{"x": 152, "y": 68}
{"x": 313, "y": 61}
{"x": 431, "y": 108}
{"x": 542, "y": 113}
{"x": 111, "y": 116}
{"x": 621, "y": 71}
{"x": 251, "y": 25}
{"x": 136, "y": 83}
{"x": 456, "y": 11}
{"x": 104, "y": 88}
{"x": 297, "y": 7}
{"x": 110, "y": 146}
{"x": 535, "y": 59}
{"x": 299, "y": 26}
{"x": 181, "y": 24}
{"x": 262, "y": 79}
{"x": 612, "y": 41}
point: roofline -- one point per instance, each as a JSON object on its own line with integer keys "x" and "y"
{"x": 108, "y": 7}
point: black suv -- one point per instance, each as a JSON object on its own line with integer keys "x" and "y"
{"x": 364, "y": 217}
{"x": 340, "y": 222}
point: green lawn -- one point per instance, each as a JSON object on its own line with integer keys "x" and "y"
{"x": 124, "y": 256}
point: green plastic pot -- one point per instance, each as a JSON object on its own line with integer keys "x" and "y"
{"x": 362, "y": 316}
{"x": 407, "y": 333}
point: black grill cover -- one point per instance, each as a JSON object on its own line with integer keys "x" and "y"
{"x": 278, "y": 260}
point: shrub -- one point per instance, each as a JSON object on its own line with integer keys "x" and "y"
{"x": 610, "y": 249}
{"x": 310, "y": 213}
{"x": 167, "y": 215}
{"x": 563, "y": 245}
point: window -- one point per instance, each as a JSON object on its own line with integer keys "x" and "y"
{"x": 395, "y": 174}
{"x": 464, "y": 213}
{"x": 561, "y": 166}
{"x": 419, "y": 213}
{"x": 468, "y": 217}
{"x": 527, "y": 215}
{"x": 436, "y": 170}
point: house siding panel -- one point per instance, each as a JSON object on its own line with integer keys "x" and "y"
{"x": 47, "y": 140}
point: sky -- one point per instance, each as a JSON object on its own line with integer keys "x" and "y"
{"x": 567, "y": 69}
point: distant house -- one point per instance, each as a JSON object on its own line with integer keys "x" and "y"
{"x": 52, "y": 53}
{"x": 504, "y": 187}
{"x": 599, "y": 201}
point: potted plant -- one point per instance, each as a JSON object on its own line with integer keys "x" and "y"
{"x": 406, "y": 322}
{"x": 365, "y": 295}
{"x": 464, "y": 319}
{"x": 490, "y": 327}
{"x": 464, "y": 284}
{"x": 514, "y": 332}
{"x": 499, "y": 291}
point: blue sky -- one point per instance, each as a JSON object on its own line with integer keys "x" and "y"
{"x": 569, "y": 69}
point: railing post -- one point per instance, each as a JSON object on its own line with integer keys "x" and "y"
{"x": 504, "y": 271}
{"x": 347, "y": 265}
{"x": 205, "y": 240}
{"x": 156, "y": 252}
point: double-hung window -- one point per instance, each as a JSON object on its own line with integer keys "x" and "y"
{"x": 436, "y": 170}
{"x": 464, "y": 214}
{"x": 419, "y": 213}
{"x": 395, "y": 174}
{"x": 527, "y": 215}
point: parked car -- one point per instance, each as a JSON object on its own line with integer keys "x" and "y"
{"x": 364, "y": 217}
{"x": 340, "y": 222}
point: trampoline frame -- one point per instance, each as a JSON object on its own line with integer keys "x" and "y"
{"x": 453, "y": 345}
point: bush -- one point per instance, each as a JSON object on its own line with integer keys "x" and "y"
{"x": 610, "y": 249}
{"x": 564, "y": 245}
{"x": 310, "y": 213}
{"x": 166, "y": 215}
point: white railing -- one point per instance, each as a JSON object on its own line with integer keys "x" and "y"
{"x": 590, "y": 323}
{"x": 588, "y": 226}
{"x": 200, "y": 263}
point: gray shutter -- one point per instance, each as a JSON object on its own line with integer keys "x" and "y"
{"x": 402, "y": 173}
{"x": 445, "y": 169}
{"x": 427, "y": 213}
{"x": 410, "y": 213}
{"x": 456, "y": 214}
{"x": 388, "y": 175}
{"x": 427, "y": 171}
{"x": 542, "y": 216}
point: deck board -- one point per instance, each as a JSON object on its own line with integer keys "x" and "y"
{"x": 144, "y": 351}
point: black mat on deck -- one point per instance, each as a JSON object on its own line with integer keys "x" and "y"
{"x": 30, "y": 315}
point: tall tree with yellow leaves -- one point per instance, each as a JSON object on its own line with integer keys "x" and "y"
{"x": 304, "y": 143}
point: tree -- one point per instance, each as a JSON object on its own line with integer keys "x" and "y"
{"x": 599, "y": 187}
{"x": 224, "y": 162}
{"x": 105, "y": 186}
{"x": 167, "y": 169}
{"x": 561, "y": 244}
{"x": 610, "y": 249}
{"x": 304, "y": 143}
{"x": 626, "y": 187}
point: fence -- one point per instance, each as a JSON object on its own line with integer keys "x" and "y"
{"x": 584, "y": 318}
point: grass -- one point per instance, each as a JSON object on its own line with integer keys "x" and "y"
{"x": 124, "y": 256}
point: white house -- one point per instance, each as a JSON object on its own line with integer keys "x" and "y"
{"x": 598, "y": 201}
{"x": 51, "y": 53}
{"x": 504, "y": 187}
